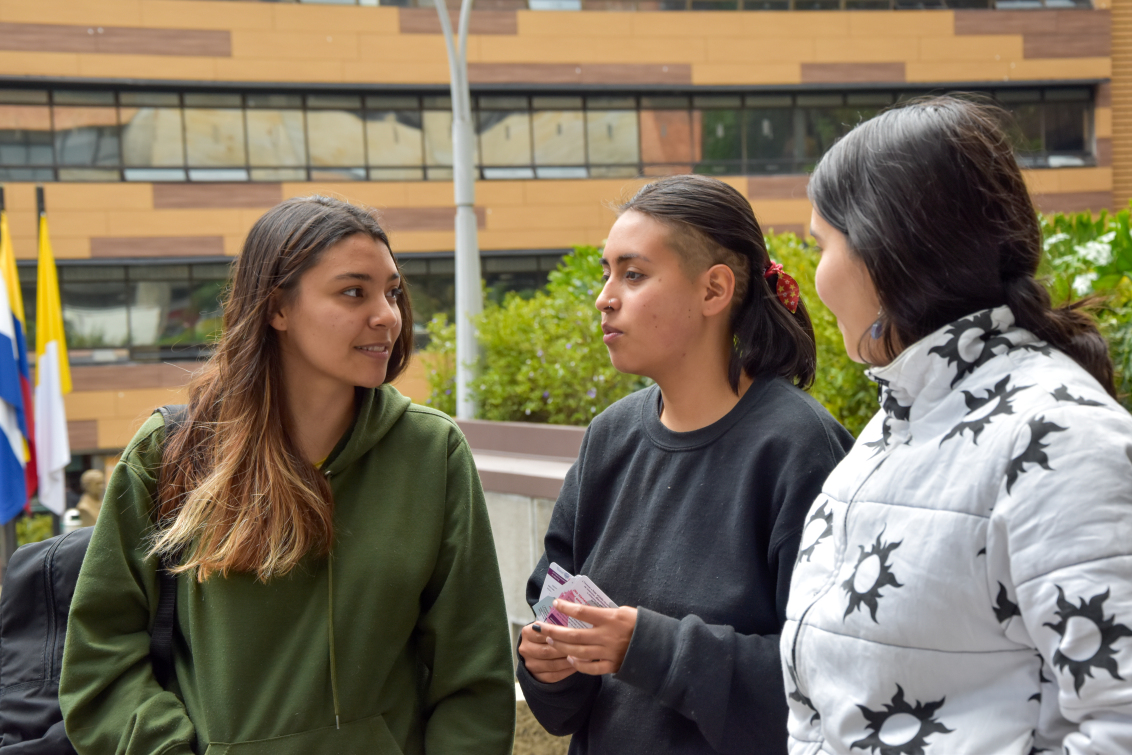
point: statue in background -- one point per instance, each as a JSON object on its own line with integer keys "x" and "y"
{"x": 93, "y": 483}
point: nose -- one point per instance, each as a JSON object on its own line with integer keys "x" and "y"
{"x": 386, "y": 314}
{"x": 605, "y": 300}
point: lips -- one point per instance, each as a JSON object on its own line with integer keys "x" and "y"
{"x": 610, "y": 333}
{"x": 375, "y": 349}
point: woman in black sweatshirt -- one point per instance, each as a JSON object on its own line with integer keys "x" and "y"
{"x": 687, "y": 502}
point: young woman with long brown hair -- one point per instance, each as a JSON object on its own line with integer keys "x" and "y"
{"x": 338, "y": 589}
{"x": 971, "y": 590}
{"x": 686, "y": 503}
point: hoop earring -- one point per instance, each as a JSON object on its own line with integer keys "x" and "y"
{"x": 877, "y": 328}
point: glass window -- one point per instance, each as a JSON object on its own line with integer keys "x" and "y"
{"x": 437, "y": 137}
{"x": 23, "y": 96}
{"x": 149, "y": 99}
{"x": 559, "y": 143}
{"x": 276, "y": 138}
{"x": 394, "y": 138}
{"x": 25, "y": 135}
{"x": 337, "y": 140}
{"x": 1026, "y": 132}
{"x": 505, "y": 144}
{"x": 721, "y": 141}
{"x": 214, "y": 137}
{"x": 275, "y": 101}
{"x": 95, "y": 306}
{"x": 1067, "y": 126}
{"x": 86, "y": 135}
{"x": 160, "y": 305}
{"x": 612, "y": 143}
{"x": 83, "y": 97}
{"x": 770, "y": 140}
{"x": 152, "y": 137}
{"x": 666, "y": 141}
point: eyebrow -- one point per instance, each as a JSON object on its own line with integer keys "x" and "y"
{"x": 626, "y": 258}
{"x": 364, "y": 277}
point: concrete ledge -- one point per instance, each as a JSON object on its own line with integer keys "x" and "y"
{"x": 522, "y": 458}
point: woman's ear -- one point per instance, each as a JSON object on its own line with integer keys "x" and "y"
{"x": 277, "y": 317}
{"x": 719, "y": 285}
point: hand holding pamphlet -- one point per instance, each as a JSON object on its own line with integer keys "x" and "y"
{"x": 559, "y": 583}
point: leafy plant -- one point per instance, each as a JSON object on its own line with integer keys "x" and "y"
{"x": 1088, "y": 255}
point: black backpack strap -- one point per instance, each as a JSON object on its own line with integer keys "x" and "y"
{"x": 161, "y": 638}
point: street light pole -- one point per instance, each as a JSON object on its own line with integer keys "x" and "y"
{"x": 469, "y": 291}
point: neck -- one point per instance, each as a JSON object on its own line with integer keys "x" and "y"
{"x": 320, "y": 415}
{"x": 697, "y": 393}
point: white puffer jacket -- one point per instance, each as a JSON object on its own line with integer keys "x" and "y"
{"x": 964, "y": 583}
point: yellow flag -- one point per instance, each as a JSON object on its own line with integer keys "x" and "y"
{"x": 49, "y": 312}
{"x": 8, "y": 271}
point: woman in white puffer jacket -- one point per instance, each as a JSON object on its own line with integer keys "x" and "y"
{"x": 964, "y": 582}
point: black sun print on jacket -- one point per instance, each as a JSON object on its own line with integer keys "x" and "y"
{"x": 797, "y": 695}
{"x": 889, "y": 742}
{"x": 991, "y": 338}
{"x": 1105, "y": 633}
{"x": 1034, "y": 453}
{"x": 1005, "y": 609}
{"x": 981, "y": 410}
{"x": 825, "y": 515}
{"x": 872, "y": 568}
{"x": 1063, "y": 394}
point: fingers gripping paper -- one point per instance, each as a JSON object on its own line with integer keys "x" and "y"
{"x": 559, "y": 583}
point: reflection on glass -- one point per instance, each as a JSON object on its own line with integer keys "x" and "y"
{"x": 505, "y": 137}
{"x": 25, "y": 135}
{"x": 95, "y": 314}
{"x": 1026, "y": 130}
{"x": 152, "y": 137}
{"x": 770, "y": 140}
{"x": 611, "y": 139}
{"x": 276, "y": 138}
{"x": 157, "y": 312}
{"x": 336, "y": 138}
{"x": 86, "y": 135}
{"x": 721, "y": 141}
{"x": 393, "y": 138}
{"x": 214, "y": 137}
{"x": 1066, "y": 126}
{"x": 666, "y": 141}
{"x": 559, "y": 137}
{"x": 437, "y": 137}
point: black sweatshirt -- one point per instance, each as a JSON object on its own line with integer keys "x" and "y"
{"x": 699, "y": 531}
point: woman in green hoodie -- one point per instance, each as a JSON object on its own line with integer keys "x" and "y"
{"x": 338, "y": 590}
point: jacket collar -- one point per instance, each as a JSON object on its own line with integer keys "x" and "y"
{"x": 930, "y": 369}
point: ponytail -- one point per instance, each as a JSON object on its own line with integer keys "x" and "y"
{"x": 1068, "y": 328}
{"x": 711, "y": 223}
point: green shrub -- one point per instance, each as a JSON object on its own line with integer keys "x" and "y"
{"x": 840, "y": 384}
{"x": 1091, "y": 256}
{"x": 34, "y": 528}
{"x": 543, "y": 359}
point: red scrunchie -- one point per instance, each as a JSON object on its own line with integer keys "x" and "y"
{"x": 787, "y": 288}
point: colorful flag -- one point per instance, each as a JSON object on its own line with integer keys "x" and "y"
{"x": 17, "y": 470}
{"x": 52, "y": 380}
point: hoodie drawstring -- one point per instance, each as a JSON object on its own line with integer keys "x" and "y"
{"x": 330, "y": 624}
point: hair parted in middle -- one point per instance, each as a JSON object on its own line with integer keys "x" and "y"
{"x": 711, "y": 223}
{"x": 234, "y": 492}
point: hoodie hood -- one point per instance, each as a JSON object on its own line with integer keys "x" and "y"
{"x": 379, "y": 411}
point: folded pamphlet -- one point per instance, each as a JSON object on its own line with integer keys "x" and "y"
{"x": 559, "y": 583}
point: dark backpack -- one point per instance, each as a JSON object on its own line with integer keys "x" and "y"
{"x": 38, "y": 586}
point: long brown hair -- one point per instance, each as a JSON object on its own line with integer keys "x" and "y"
{"x": 234, "y": 492}
{"x": 711, "y": 223}
{"x": 931, "y": 199}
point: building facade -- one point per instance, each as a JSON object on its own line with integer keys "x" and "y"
{"x": 161, "y": 129}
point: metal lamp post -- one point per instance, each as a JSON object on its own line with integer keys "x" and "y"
{"x": 469, "y": 291}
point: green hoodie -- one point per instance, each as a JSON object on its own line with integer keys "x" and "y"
{"x": 396, "y": 644}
